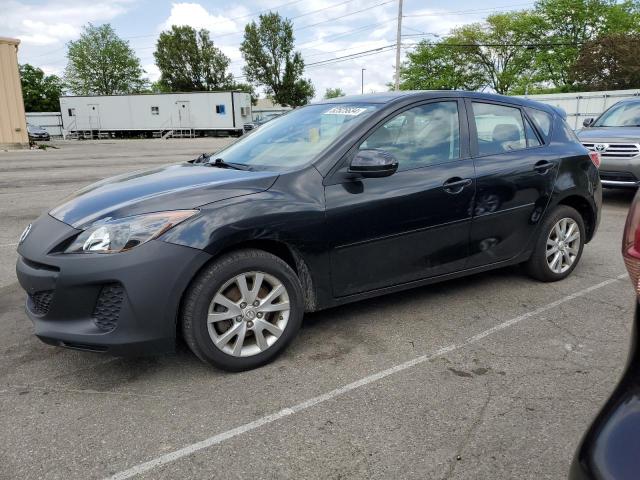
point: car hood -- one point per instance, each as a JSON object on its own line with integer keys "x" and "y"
{"x": 172, "y": 187}
{"x": 610, "y": 134}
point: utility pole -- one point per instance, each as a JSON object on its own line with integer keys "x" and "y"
{"x": 362, "y": 81}
{"x": 398, "y": 44}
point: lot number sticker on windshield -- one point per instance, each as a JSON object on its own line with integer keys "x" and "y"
{"x": 352, "y": 111}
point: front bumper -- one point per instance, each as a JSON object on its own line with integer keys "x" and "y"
{"x": 124, "y": 304}
{"x": 620, "y": 172}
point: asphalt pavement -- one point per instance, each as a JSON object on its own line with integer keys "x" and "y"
{"x": 493, "y": 376}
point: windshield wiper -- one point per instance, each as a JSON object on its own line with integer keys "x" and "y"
{"x": 220, "y": 163}
{"x": 202, "y": 158}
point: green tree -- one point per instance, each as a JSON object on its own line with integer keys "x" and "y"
{"x": 40, "y": 92}
{"x": 439, "y": 66}
{"x": 334, "y": 93}
{"x": 268, "y": 50}
{"x": 100, "y": 62}
{"x": 608, "y": 63}
{"x": 189, "y": 61}
{"x": 568, "y": 24}
{"x": 502, "y": 49}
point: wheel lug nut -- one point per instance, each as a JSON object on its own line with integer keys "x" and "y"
{"x": 256, "y": 303}
{"x": 249, "y": 324}
{"x": 243, "y": 304}
{"x": 259, "y": 314}
{"x": 238, "y": 319}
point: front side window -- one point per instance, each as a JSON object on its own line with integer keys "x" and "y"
{"x": 295, "y": 139}
{"x": 499, "y": 129}
{"x": 421, "y": 136}
{"x": 621, "y": 115}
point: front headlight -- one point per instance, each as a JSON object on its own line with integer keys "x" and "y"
{"x": 113, "y": 236}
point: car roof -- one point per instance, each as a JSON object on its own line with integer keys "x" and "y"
{"x": 628, "y": 100}
{"x": 403, "y": 95}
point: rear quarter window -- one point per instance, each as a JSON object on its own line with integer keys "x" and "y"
{"x": 566, "y": 134}
{"x": 542, "y": 120}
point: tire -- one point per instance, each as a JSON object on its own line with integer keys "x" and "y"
{"x": 216, "y": 293}
{"x": 537, "y": 266}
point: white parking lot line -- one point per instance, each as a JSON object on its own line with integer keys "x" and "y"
{"x": 8, "y": 244}
{"x": 285, "y": 412}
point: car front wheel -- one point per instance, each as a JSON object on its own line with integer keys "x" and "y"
{"x": 559, "y": 245}
{"x": 242, "y": 310}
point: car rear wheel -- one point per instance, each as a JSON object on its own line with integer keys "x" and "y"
{"x": 559, "y": 245}
{"x": 242, "y": 310}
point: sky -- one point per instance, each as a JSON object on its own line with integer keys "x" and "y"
{"x": 324, "y": 30}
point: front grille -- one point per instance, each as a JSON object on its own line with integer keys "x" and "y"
{"x": 615, "y": 150}
{"x": 40, "y": 302}
{"x": 107, "y": 310}
{"x": 617, "y": 176}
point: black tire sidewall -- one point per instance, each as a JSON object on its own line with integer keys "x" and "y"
{"x": 210, "y": 281}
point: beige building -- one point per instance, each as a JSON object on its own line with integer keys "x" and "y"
{"x": 13, "y": 124}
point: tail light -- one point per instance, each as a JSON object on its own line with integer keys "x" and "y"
{"x": 631, "y": 243}
{"x": 595, "y": 158}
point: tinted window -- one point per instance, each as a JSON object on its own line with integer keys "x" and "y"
{"x": 420, "y": 136}
{"x": 620, "y": 115}
{"x": 532, "y": 136}
{"x": 500, "y": 129}
{"x": 567, "y": 134}
{"x": 295, "y": 139}
{"x": 543, "y": 120}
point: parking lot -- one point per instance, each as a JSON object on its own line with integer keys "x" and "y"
{"x": 493, "y": 376}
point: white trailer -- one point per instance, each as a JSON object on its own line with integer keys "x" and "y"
{"x": 156, "y": 115}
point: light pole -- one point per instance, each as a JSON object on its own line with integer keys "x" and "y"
{"x": 362, "y": 81}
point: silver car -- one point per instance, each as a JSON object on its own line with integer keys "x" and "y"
{"x": 616, "y": 136}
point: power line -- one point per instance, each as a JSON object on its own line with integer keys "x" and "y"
{"x": 464, "y": 12}
{"x": 350, "y": 56}
{"x": 344, "y": 16}
{"x": 347, "y": 33}
{"x": 304, "y": 27}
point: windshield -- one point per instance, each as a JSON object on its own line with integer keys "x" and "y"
{"x": 623, "y": 115}
{"x": 295, "y": 139}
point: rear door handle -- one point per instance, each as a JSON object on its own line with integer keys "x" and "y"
{"x": 543, "y": 166}
{"x": 456, "y": 184}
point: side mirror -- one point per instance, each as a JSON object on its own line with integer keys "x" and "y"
{"x": 587, "y": 122}
{"x": 373, "y": 163}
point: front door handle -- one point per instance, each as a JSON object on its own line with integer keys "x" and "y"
{"x": 456, "y": 184}
{"x": 543, "y": 166}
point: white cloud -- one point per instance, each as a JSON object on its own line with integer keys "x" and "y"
{"x": 54, "y": 22}
{"x": 152, "y": 71}
{"x": 47, "y": 33}
{"x": 197, "y": 16}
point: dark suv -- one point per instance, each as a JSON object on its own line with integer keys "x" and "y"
{"x": 331, "y": 203}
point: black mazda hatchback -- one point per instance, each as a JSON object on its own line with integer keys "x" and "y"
{"x": 331, "y": 203}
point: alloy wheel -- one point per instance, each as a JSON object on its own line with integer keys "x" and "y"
{"x": 248, "y": 314}
{"x": 563, "y": 245}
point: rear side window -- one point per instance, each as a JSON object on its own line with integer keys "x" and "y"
{"x": 499, "y": 128}
{"x": 532, "y": 136}
{"x": 543, "y": 120}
